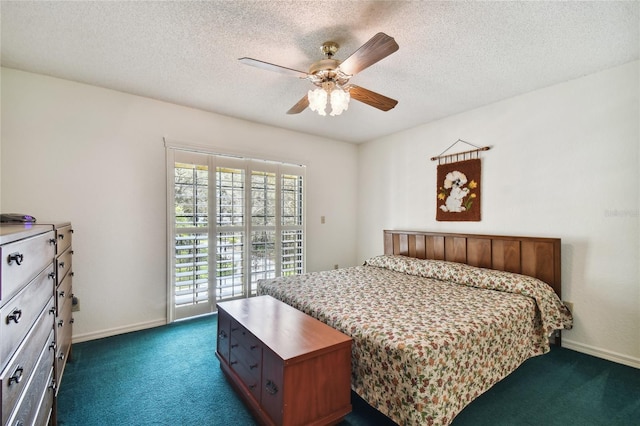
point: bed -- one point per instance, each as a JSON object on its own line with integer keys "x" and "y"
{"x": 437, "y": 319}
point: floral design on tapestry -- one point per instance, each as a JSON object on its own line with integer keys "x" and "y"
{"x": 459, "y": 191}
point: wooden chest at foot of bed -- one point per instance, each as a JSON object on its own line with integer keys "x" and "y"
{"x": 288, "y": 367}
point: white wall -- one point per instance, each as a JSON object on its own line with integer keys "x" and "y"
{"x": 564, "y": 163}
{"x": 96, "y": 157}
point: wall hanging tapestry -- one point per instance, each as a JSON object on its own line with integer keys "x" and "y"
{"x": 459, "y": 185}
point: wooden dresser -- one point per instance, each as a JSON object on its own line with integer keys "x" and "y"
{"x": 63, "y": 303}
{"x": 35, "y": 319}
{"x": 289, "y": 368}
{"x": 27, "y": 313}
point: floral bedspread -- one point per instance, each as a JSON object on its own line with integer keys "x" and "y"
{"x": 428, "y": 336}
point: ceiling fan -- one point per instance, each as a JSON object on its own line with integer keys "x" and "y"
{"x": 332, "y": 76}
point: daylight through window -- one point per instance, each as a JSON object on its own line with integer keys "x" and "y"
{"x": 257, "y": 230}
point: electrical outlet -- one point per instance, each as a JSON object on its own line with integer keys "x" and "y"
{"x": 322, "y": 220}
{"x": 568, "y": 305}
{"x": 75, "y": 304}
{"x": 336, "y": 266}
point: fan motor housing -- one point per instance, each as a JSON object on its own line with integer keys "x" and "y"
{"x": 326, "y": 65}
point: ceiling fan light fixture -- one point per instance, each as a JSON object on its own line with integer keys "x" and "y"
{"x": 318, "y": 100}
{"x": 339, "y": 100}
{"x": 330, "y": 92}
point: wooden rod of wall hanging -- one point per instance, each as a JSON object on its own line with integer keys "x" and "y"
{"x": 484, "y": 148}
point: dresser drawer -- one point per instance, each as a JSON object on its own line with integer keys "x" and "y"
{"x": 224, "y": 331}
{"x": 46, "y": 405}
{"x": 63, "y": 235}
{"x": 64, "y": 294}
{"x": 64, "y": 263}
{"x": 19, "y": 313}
{"x": 251, "y": 358}
{"x": 249, "y": 374}
{"x": 22, "y": 260}
{"x": 31, "y": 401}
{"x": 243, "y": 337}
{"x": 63, "y": 341}
{"x": 251, "y": 354}
{"x": 18, "y": 371}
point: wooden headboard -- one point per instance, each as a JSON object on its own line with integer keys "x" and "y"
{"x": 536, "y": 257}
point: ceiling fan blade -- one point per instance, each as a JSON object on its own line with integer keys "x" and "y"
{"x": 272, "y": 67}
{"x": 374, "y": 99}
{"x": 300, "y": 106}
{"x": 377, "y": 48}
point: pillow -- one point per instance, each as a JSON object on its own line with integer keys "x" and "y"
{"x": 392, "y": 262}
{"x": 554, "y": 314}
{"x": 428, "y": 268}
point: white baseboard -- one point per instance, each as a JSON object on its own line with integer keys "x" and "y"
{"x": 77, "y": 338}
{"x": 601, "y": 353}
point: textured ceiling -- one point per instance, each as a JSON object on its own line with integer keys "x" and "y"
{"x": 454, "y": 56}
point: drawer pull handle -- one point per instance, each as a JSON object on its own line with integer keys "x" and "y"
{"x": 254, "y": 366}
{"x": 60, "y": 323}
{"x": 61, "y": 294}
{"x": 253, "y": 386}
{"x": 15, "y": 257}
{"x": 14, "y": 316}
{"x": 233, "y": 362}
{"x": 16, "y": 376}
{"x": 222, "y": 335}
{"x": 52, "y": 242}
{"x": 61, "y": 236}
{"x": 254, "y": 347}
{"x": 53, "y": 346}
{"x": 235, "y": 345}
{"x": 234, "y": 328}
{"x": 271, "y": 388}
{"x": 52, "y": 275}
{"x": 61, "y": 265}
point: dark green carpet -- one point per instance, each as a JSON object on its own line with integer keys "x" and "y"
{"x": 170, "y": 376}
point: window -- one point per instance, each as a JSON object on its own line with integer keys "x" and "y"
{"x": 233, "y": 222}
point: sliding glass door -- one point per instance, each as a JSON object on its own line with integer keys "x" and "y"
{"x": 233, "y": 221}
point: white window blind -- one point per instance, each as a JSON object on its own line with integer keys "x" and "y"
{"x": 233, "y": 221}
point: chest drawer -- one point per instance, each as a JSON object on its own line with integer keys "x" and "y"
{"x": 47, "y": 404}
{"x": 248, "y": 371}
{"x": 31, "y": 401}
{"x": 22, "y": 260}
{"x": 63, "y": 235}
{"x": 224, "y": 332}
{"x": 63, "y": 341}
{"x": 64, "y": 294}
{"x": 243, "y": 337}
{"x": 19, "y": 313}
{"x": 63, "y": 263}
{"x": 251, "y": 355}
{"x": 18, "y": 371}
